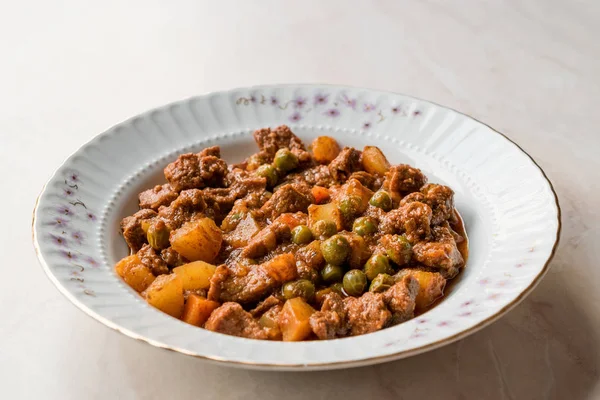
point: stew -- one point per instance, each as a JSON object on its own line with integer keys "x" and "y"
{"x": 293, "y": 243}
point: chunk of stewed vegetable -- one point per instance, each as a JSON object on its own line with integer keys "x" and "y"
{"x": 158, "y": 235}
{"x": 381, "y": 283}
{"x": 323, "y": 229}
{"x": 332, "y": 273}
{"x": 300, "y": 288}
{"x": 355, "y": 282}
{"x": 382, "y": 200}
{"x": 285, "y": 160}
{"x": 364, "y": 226}
{"x": 302, "y": 235}
{"x": 350, "y": 206}
{"x": 269, "y": 173}
{"x": 377, "y": 264}
{"x": 325, "y": 149}
{"x": 397, "y": 248}
{"x": 335, "y": 249}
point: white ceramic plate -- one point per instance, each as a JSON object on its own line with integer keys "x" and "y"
{"x": 510, "y": 210}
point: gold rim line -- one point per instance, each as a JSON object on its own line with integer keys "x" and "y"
{"x": 312, "y": 366}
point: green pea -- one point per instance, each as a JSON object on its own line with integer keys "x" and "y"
{"x": 398, "y": 249}
{"x": 158, "y": 235}
{"x": 335, "y": 249}
{"x": 364, "y": 226}
{"x": 355, "y": 282}
{"x": 285, "y": 160}
{"x": 324, "y": 229}
{"x": 332, "y": 273}
{"x": 338, "y": 288}
{"x": 382, "y": 200}
{"x": 381, "y": 283}
{"x": 350, "y": 205}
{"x": 268, "y": 172}
{"x": 301, "y": 235}
{"x": 300, "y": 288}
{"x": 377, "y": 264}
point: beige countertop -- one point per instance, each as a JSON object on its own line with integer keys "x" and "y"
{"x": 531, "y": 69}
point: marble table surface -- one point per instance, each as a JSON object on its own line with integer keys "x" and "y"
{"x": 531, "y": 69}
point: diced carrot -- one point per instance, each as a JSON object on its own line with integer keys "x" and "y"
{"x": 197, "y": 310}
{"x": 320, "y": 194}
{"x": 291, "y": 219}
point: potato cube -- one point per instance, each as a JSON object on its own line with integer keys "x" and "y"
{"x": 134, "y": 273}
{"x": 294, "y": 320}
{"x": 374, "y": 161}
{"x": 166, "y": 294}
{"x": 197, "y": 240}
{"x": 195, "y": 275}
{"x": 327, "y": 212}
{"x": 325, "y": 149}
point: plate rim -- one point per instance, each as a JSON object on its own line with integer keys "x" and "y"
{"x": 302, "y": 366}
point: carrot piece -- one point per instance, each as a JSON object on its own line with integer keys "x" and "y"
{"x": 320, "y": 194}
{"x": 198, "y": 309}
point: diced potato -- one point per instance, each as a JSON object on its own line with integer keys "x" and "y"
{"x": 197, "y": 240}
{"x": 166, "y": 294}
{"x": 373, "y": 160}
{"x": 325, "y": 149}
{"x": 245, "y": 230}
{"x": 431, "y": 286}
{"x": 195, "y": 275}
{"x": 294, "y": 320}
{"x": 354, "y": 188}
{"x": 197, "y": 310}
{"x": 320, "y": 194}
{"x": 282, "y": 268}
{"x": 327, "y": 212}
{"x": 134, "y": 273}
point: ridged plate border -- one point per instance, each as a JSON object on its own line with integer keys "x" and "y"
{"x": 507, "y": 198}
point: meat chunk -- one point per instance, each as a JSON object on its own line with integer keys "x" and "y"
{"x": 441, "y": 254}
{"x": 192, "y": 171}
{"x": 347, "y": 162}
{"x": 189, "y": 205}
{"x": 400, "y": 299}
{"x": 232, "y": 319}
{"x": 172, "y": 258}
{"x": 441, "y": 200}
{"x": 265, "y": 305}
{"x": 159, "y": 195}
{"x": 214, "y": 151}
{"x": 431, "y": 285}
{"x": 220, "y": 201}
{"x": 132, "y": 228}
{"x": 404, "y": 179}
{"x": 311, "y": 254}
{"x": 414, "y": 219}
{"x": 318, "y": 175}
{"x": 248, "y": 283}
{"x": 439, "y": 197}
{"x": 265, "y": 240}
{"x": 330, "y": 322}
{"x": 269, "y": 141}
{"x": 367, "y": 313}
{"x": 242, "y": 285}
{"x": 288, "y": 199}
{"x": 152, "y": 260}
{"x": 373, "y": 182}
